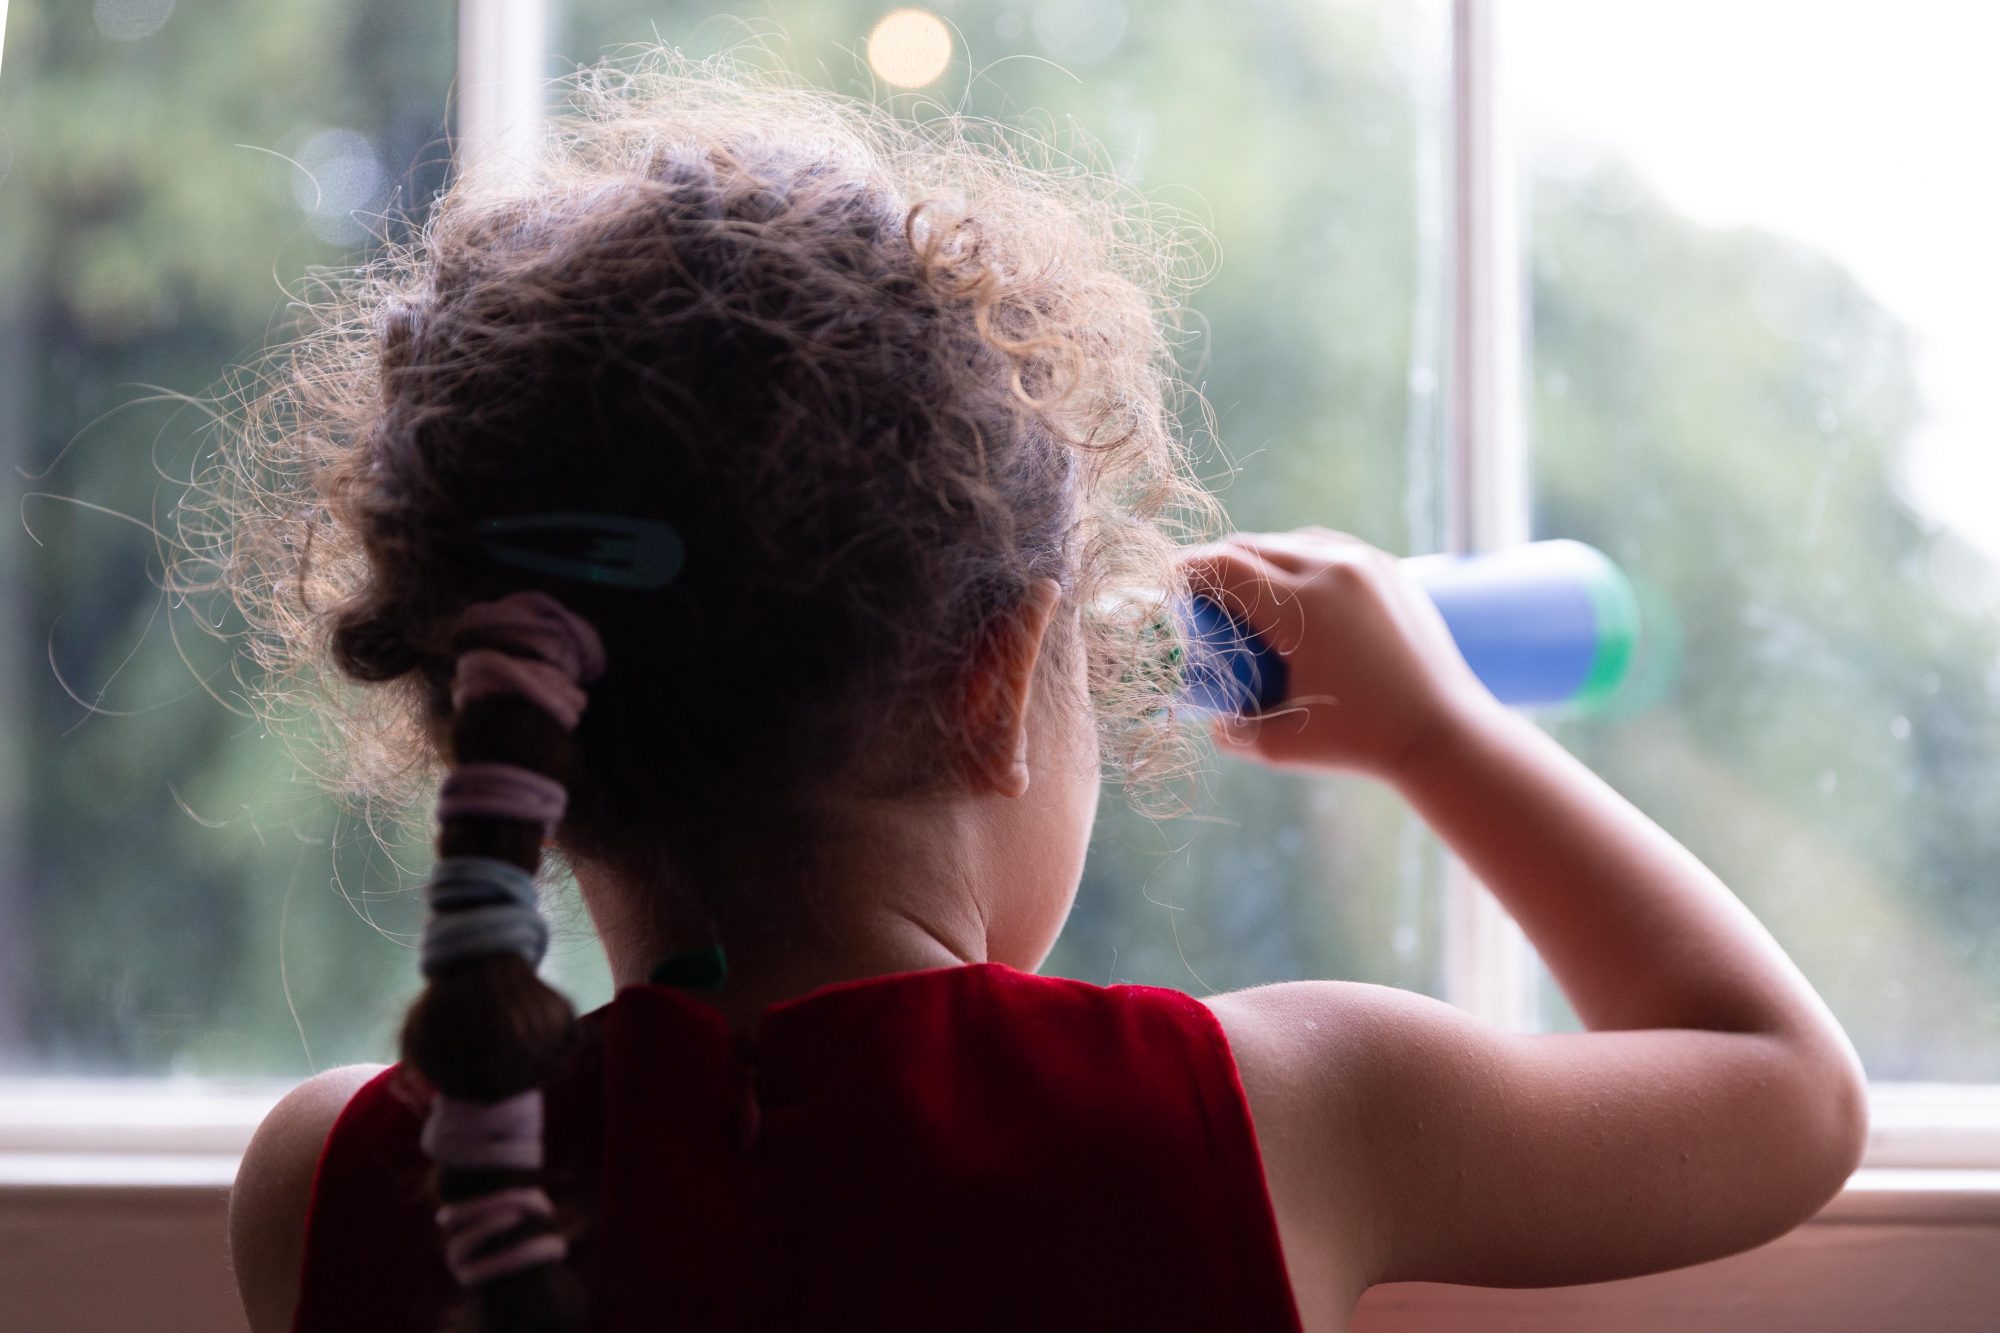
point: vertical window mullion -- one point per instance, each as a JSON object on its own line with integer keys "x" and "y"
{"x": 497, "y": 116}
{"x": 1489, "y": 968}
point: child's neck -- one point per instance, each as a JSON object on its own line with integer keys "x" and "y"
{"x": 758, "y": 980}
{"x": 917, "y": 887}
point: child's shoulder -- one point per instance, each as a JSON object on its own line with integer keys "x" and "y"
{"x": 273, "y": 1191}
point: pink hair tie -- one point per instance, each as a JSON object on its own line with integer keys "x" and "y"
{"x": 529, "y": 645}
{"x": 502, "y": 791}
{"x": 473, "y": 1223}
{"x": 506, "y": 1134}
{"x": 540, "y": 626}
{"x": 484, "y": 673}
{"x": 528, "y": 1252}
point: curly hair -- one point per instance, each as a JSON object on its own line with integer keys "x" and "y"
{"x": 895, "y": 371}
{"x": 881, "y": 377}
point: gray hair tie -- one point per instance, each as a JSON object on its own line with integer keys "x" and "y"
{"x": 481, "y": 905}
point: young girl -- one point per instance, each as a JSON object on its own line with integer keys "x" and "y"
{"x": 746, "y": 512}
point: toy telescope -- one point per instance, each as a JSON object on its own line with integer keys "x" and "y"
{"x": 1550, "y": 623}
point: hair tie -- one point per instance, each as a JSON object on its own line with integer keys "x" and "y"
{"x": 484, "y": 673}
{"x": 502, "y": 791}
{"x": 469, "y": 1225}
{"x": 479, "y": 932}
{"x": 539, "y": 625}
{"x": 528, "y": 1252}
{"x": 459, "y": 882}
{"x": 481, "y": 905}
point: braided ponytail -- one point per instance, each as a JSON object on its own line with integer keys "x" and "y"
{"x": 486, "y": 1034}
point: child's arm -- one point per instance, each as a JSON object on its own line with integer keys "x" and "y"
{"x": 1716, "y": 1102}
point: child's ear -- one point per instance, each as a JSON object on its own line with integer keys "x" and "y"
{"x": 999, "y": 686}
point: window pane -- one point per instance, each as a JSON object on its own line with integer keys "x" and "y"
{"x": 1763, "y": 278}
{"x": 173, "y": 897}
{"x": 1309, "y": 136}
{"x": 164, "y": 171}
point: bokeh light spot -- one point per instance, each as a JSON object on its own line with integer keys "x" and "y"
{"x": 336, "y": 175}
{"x": 909, "y": 48}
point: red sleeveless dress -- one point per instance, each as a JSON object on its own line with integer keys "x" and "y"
{"x": 972, "y": 1148}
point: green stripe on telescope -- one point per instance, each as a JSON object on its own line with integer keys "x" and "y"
{"x": 1616, "y": 610}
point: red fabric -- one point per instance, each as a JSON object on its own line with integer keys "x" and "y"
{"x": 971, "y": 1148}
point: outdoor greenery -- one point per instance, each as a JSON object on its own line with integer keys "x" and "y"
{"x": 1819, "y": 714}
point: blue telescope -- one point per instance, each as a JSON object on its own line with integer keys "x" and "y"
{"x": 1550, "y": 623}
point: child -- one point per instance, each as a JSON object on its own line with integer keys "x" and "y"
{"x": 734, "y": 513}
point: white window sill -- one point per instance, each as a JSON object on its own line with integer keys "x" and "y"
{"x": 145, "y": 1115}
{"x": 1935, "y": 1142}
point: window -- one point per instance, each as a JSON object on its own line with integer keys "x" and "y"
{"x": 218, "y": 920}
{"x": 175, "y": 904}
{"x": 167, "y": 894}
{"x": 1762, "y": 358}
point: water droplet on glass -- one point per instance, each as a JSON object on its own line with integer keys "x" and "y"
{"x": 129, "y": 20}
{"x": 338, "y": 175}
{"x": 1899, "y": 727}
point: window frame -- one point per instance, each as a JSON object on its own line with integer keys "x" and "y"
{"x": 1936, "y": 1142}
{"x": 189, "y": 1133}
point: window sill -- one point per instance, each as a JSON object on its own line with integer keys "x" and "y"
{"x": 1926, "y": 1196}
{"x": 58, "y": 1134}
{"x": 134, "y": 1179}
{"x": 1924, "y": 1139}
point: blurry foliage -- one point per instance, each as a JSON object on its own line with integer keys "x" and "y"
{"x": 1717, "y": 410}
{"x": 149, "y": 227}
{"x": 1722, "y": 411}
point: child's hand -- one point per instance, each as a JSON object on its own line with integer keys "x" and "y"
{"x": 1373, "y": 672}
{"x": 1714, "y": 1104}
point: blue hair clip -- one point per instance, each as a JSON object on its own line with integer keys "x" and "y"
{"x": 609, "y": 550}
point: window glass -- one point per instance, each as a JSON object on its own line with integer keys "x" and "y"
{"x": 1308, "y": 137}
{"x": 173, "y": 896}
{"x": 168, "y": 896}
{"x": 1763, "y": 273}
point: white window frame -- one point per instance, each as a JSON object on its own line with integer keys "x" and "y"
{"x": 1490, "y": 969}
{"x": 1934, "y": 1149}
